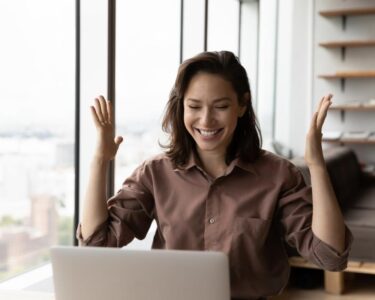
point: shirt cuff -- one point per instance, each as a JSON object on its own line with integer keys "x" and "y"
{"x": 95, "y": 239}
{"x": 328, "y": 258}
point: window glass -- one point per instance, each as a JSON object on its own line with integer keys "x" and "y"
{"x": 223, "y": 25}
{"x": 193, "y": 31}
{"x": 147, "y": 58}
{"x": 36, "y": 131}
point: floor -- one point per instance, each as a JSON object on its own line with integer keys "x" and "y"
{"x": 358, "y": 287}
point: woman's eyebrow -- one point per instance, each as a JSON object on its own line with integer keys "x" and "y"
{"x": 215, "y": 100}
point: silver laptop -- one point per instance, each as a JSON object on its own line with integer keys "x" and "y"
{"x": 93, "y": 273}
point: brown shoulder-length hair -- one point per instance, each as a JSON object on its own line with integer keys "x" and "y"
{"x": 247, "y": 139}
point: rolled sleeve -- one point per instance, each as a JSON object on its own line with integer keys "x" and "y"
{"x": 328, "y": 257}
{"x": 295, "y": 216}
{"x": 130, "y": 214}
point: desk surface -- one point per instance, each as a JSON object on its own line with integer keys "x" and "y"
{"x": 25, "y": 295}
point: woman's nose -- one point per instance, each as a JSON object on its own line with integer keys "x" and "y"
{"x": 207, "y": 117}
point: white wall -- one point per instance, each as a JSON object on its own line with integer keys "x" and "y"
{"x": 293, "y": 73}
{"x": 329, "y": 61}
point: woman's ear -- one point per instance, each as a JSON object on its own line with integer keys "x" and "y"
{"x": 245, "y": 101}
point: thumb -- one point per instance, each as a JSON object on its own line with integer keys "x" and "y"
{"x": 314, "y": 120}
{"x": 118, "y": 140}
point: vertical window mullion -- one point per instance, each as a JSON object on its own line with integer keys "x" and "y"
{"x": 77, "y": 138}
{"x": 111, "y": 81}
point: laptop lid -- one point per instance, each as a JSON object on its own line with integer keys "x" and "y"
{"x": 93, "y": 273}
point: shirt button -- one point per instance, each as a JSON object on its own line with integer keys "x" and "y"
{"x": 212, "y": 220}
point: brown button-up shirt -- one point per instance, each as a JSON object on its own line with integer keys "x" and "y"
{"x": 248, "y": 213}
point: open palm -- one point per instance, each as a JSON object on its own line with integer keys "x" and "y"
{"x": 313, "y": 149}
{"x": 107, "y": 143}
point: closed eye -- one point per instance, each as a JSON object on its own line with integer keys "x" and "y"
{"x": 194, "y": 107}
{"x": 222, "y": 107}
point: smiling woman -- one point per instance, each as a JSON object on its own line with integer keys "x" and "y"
{"x": 212, "y": 93}
{"x": 214, "y": 188}
{"x": 211, "y": 121}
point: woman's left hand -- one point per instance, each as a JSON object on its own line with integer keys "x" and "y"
{"x": 313, "y": 150}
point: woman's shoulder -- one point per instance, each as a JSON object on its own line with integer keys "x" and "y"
{"x": 158, "y": 160}
{"x": 270, "y": 160}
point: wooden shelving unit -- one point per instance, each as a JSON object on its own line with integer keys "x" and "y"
{"x": 348, "y": 12}
{"x": 353, "y": 266}
{"x": 360, "y": 107}
{"x": 350, "y": 141}
{"x": 343, "y": 75}
{"x": 334, "y": 282}
{"x": 347, "y": 44}
{"x": 349, "y": 74}
{"x": 344, "y": 13}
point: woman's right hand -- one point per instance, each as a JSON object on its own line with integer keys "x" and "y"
{"x": 107, "y": 144}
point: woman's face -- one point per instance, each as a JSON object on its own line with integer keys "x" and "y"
{"x": 211, "y": 111}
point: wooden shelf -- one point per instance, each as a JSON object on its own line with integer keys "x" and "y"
{"x": 343, "y": 75}
{"x": 353, "y": 108}
{"x": 348, "y": 12}
{"x": 353, "y": 266}
{"x": 350, "y": 141}
{"x": 352, "y": 44}
{"x": 349, "y": 74}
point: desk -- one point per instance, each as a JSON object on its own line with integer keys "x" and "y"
{"x": 25, "y": 295}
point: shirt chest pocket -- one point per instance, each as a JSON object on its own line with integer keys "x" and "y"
{"x": 251, "y": 232}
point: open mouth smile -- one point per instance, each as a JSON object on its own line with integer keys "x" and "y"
{"x": 209, "y": 133}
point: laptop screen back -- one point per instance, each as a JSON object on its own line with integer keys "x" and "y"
{"x": 90, "y": 273}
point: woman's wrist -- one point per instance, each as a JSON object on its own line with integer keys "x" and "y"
{"x": 100, "y": 159}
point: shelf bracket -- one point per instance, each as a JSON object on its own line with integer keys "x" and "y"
{"x": 344, "y": 22}
{"x": 343, "y": 53}
{"x": 342, "y": 83}
{"x": 342, "y": 115}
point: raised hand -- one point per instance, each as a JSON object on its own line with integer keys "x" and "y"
{"x": 313, "y": 149}
{"x": 107, "y": 143}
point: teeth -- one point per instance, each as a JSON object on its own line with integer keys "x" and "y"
{"x": 208, "y": 132}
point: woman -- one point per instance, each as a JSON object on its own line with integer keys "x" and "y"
{"x": 214, "y": 188}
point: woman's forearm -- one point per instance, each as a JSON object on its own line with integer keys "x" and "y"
{"x": 327, "y": 222}
{"x": 95, "y": 207}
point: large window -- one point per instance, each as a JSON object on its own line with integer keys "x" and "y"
{"x": 36, "y": 131}
{"x": 147, "y": 58}
{"x": 37, "y": 78}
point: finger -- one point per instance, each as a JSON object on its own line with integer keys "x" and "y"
{"x": 103, "y": 107}
{"x": 313, "y": 121}
{"x": 118, "y": 140}
{"x": 99, "y": 110}
{"x": 110, "y": 112}
{"x": 95, "y": 116}
{"x": 323, "y": 113}
{"x": 320, "y": 104}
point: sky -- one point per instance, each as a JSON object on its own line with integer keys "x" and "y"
{"x": 37, "y": 57}
{"x": 37, "y": 61}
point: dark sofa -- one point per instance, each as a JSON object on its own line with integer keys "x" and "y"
{"x": 355, "y": 191}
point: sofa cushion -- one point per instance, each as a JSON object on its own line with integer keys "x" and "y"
{"x": 345, "y": 174}
{"x": 365, "y": 198}
{"x": 360, "y": 218}
{"x": 361, "y": 222}
{"x": 363, "y": 247}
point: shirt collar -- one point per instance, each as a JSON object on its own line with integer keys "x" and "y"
{"x": 247, "y": 166}
{"x": 237, "y": 162}
{"x": 191, "y": 162}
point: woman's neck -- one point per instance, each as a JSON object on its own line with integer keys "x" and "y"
{"x": 213, "y": 163}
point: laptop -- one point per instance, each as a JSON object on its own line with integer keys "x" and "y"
{"x": 96, "y": 273}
